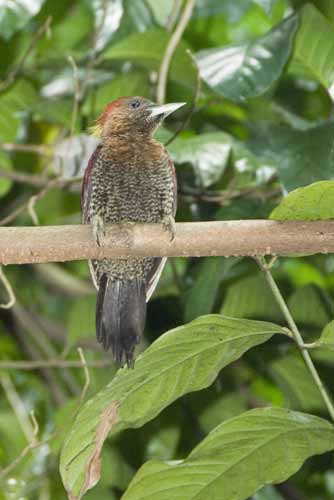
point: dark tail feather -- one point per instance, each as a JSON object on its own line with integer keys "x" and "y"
{"x": 120, "y": 316}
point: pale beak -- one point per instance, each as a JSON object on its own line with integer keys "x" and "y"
{"x": 163, "y": 110}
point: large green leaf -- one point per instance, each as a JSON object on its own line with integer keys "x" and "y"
{"x": 249, "y": 298}
{"x": 183, "y": 360}
{"x": 248, "y": 70}
{"x": 314, "y": 202}
{"x": 148, "y": 48}
{"x": 208, "y": 153}
{"x": 15, "y": 14}
{"x": 314, "y": 47}
{"x": 308, "y": 307}
{"x": 236, "y": 459}
{"x": 301, "y": 157}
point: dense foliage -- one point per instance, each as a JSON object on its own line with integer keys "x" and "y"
{"x": 259, "y": 80}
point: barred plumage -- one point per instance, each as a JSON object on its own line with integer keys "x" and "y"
{"x": 130, "y": 178}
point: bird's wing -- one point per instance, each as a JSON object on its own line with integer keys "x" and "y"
{"x": 85, "y": 201}
{"x": 159, "y": 263}
{"x": 87, "y": 185}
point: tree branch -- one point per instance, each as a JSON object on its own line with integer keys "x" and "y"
{"x": 24, "y": 245}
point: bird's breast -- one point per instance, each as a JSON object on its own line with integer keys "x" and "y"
{"x": 132, "y": 189}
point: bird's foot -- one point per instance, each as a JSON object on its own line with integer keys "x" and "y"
{"x": 168, "y": 223}
{"x": 98, "y": 229}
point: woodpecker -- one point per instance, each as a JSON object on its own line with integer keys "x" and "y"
{"x": 130, "y": 178}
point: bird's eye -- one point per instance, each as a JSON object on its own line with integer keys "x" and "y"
{"x": 135, "y": 104}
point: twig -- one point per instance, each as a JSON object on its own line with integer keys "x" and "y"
{"x": 173, "y": 16}
{"x": 9, "y": 290}
{"x": 34, "y": 443}
{"x": 297, "y": 335}
{"x": 76, "y": 94}
{"x": 57, "y": 182}
{"x": 28, "y": 245}
{"x": 170, "y": 49}
{"x": 11, "y": 77}
{"x": 86, "y": 373}
{"x": 186, "y": 122}
{"x": 39, "y": 149}
{"x": 51, "y": 363}
{"x": 29, "y": 179}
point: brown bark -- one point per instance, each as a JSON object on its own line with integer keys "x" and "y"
{"x": 23, "y": 245}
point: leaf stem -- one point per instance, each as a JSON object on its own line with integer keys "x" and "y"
{"x": 296, "y": 335}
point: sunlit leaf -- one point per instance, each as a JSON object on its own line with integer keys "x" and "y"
{"x": 108, "y": 17}
{"x": 208, "y": 153}
{"x": 243, "y": 71}
{"x": 261, "y": 446}
{"x": 183, "y": 360}
{"x": 314, "y": 202}
{"x": 14, "y": 14}
{"x": 72, "y": 155}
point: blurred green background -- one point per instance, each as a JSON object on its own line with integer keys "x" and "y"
{"x": 257, "y": 131}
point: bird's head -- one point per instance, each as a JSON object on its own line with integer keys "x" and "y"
{"x": 129, "y": 115}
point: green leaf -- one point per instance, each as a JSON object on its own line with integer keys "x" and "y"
{"x": 17, "y": 100}
{"x": 267, "y": 5}
{"x": 314, "y": 47}
{"x": 208, "y": 153}
{"x": 236, "y": 459}
{"x": 242, "y": 71}
{"x": 201, "y": 296}
{"x": 314, "y": 202}
{"x": 249, "y": 298}
{"x": 301, "y": 157}
{"x": 162, "y": 9}
{"x": 148, "y": 48}
{"x": 308, "y": 307}
{"x": 107, "y": 18}
{"x": 15, "y": 14}
{"x": 5, "y": 164}
{"x": 296, "y": 383}
{"x": 81, "y": 320}
{"x": 327, "y": 337}
{"x": 133, "y": 83}
{"x": 182, "y": 360}
{"x": 68, "y": 37}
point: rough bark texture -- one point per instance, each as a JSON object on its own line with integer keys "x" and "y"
{"x": 24, "y": 245}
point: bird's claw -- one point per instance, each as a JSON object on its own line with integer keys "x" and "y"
{"x": 98, "y": 230}
{"x": 168, "y": 223}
